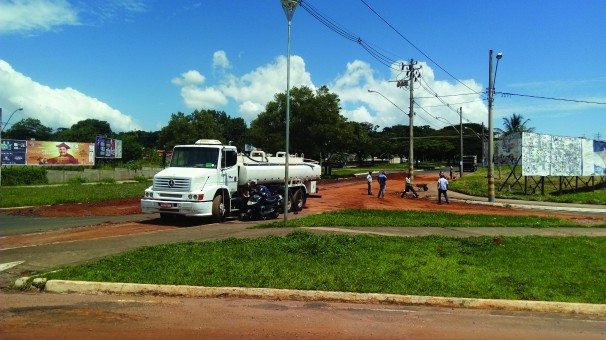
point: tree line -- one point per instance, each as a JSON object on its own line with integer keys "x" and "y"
{"x": 317, "y": 130}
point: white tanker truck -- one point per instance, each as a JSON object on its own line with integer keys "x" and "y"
{"x": 208, "y": 179}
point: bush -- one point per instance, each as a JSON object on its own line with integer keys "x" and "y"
{"x": 108, "y": 180}
{"x": 24, "y": 175}
{"x": 77, "y": 180}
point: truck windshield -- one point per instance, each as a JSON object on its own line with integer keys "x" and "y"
{"x": 195, "y": 157}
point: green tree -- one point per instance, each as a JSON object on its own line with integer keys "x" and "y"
{"x": 182, "y": 129}
{"x": 85, "y": 131}
{"x": 362, "y": 143}
{"x": 234, "y": 129}
{"x": 515, "y": 123}
{"x": 28, "y": 128}
{"x": 317, "y": 129}
{"x": 132, "y": 149}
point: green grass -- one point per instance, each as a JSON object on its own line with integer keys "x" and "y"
{"x": 412, "y": 218}
{"x": 351, "y": 171}
{"x": 476, "y": 184}
{"x": 69, "y": 193}
{"x": 568, "y": 269}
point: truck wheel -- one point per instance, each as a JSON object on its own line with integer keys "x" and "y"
{"x": 298, "y": 200}
{"x": 218, "y": 209}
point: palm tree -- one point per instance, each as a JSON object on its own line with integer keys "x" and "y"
{"x": 515, "y": 123}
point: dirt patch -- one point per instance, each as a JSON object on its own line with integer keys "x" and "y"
{"x": 119, "y": 207}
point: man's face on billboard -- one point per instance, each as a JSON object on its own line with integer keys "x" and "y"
{"x": 62, "y": 151}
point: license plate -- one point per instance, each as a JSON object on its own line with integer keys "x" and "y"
{"x": 166, "y": 205}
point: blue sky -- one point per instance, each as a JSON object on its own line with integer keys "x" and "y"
{"x": 134, "y": 63}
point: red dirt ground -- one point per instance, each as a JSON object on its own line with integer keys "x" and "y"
{"x": 332, "y": 195}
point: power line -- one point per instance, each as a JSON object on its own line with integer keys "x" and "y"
{"x": 550, "y": 98}
{"x": 413, "y": 45}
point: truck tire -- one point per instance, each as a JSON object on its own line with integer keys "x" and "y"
{"x": 218, "y": 209}
{"x": 298, "y": 200}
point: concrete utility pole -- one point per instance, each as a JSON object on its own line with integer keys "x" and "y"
{"x": 483, "y": 146}
{"x": 461, "y": 127}
{"x": 412, "y": 75}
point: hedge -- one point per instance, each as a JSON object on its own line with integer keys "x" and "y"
{"x": 23, "y": 175}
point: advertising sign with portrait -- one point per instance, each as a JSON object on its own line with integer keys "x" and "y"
{"x": 60, "y": 153}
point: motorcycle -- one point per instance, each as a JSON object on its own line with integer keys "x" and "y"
{"x": 261, "y": 207}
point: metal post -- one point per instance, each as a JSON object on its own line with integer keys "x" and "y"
{"x": 461, "y": 126}
{"x": 490, "y": 131}
{"x": 289, "y": 7}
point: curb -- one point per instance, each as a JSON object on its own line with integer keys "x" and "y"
{"x": 534, "y": 206}
{"x": 97, "y": 288}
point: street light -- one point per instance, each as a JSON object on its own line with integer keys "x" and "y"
{"x": 394, "y": 104}
{"x": 9, "y": 118}
{"x": 1, "y": 130}
{"x": 289, "y": 7}
{"x": 491, "y": 80}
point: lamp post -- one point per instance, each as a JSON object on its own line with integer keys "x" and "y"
{"x": 2, "y": 126}
{"x": 491, "y": 80}
{"x": 289, "y": 7}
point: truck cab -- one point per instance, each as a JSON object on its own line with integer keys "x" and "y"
{"x": 198, "y": 181}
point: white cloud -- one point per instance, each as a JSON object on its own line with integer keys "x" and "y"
{"x": 250, "y": 92}
{"x": 191, "y": 77}
{"x": 390, "y": 106}
{"x": 208, "y": 98}
{"x": 27, "y": 16}
{"x": 56, "y": 107}
{"x": 220, "y": 60}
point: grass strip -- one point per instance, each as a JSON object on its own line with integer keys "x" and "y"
{"x": 570, "y": 269}
{"x": 412, "y": 218}
{"x": 475, "y": 184}
{"x": 69, "y": 193}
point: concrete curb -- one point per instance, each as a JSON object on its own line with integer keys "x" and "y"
{"x": 534, "y": 206}
{"x": 95, "y": 288}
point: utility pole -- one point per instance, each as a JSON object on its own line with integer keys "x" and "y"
{"x": 412, "y": 75}
{"x": 461, "y": 127}
{"x": 483, "y": 147}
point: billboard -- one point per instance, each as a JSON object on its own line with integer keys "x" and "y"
{"x": 108, "y": 148}
{"x": 13, "y": 152}
{"x": 60, "y": 153}
{"x": 548, "y": 155}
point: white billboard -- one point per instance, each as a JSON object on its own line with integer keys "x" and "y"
{"x": 547, "y": 155}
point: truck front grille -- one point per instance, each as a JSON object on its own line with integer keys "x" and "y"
{"x": 172, "y": 184}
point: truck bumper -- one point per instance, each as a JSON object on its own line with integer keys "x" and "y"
{"x": 150, "y": 206}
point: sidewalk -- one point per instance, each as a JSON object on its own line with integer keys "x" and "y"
{"x": 531, "y": 205}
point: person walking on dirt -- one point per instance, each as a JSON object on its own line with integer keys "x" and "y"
{"x": 382, "y": 182}
{"x": 409, "y": 187}
{"x": 442, "y": 189}
{"x": 369, "y": 180}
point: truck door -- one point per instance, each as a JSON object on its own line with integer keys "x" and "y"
{"x": 229, "y": 169}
